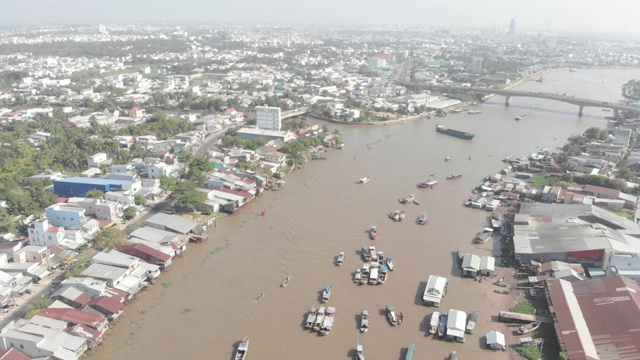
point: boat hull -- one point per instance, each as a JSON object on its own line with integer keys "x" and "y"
{"x": 455, "y": 133}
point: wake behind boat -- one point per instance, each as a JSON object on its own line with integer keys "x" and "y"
{"x": 241, "y": 352}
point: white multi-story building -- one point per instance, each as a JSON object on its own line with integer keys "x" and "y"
{"x": 42, "y": 234}
{"x": 268, "y": 118}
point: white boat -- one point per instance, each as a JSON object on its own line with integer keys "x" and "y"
{"x": 358, "y": 275}
{"x": 391, "y": 315}
{"x": 422, "y": 219}
{"x": 382, "y": 278}
{"x": 340, "y": 259}
{"x": 453, "y": 356}
{"x": 373, "y": 277}
{"x": 395, "y": 216}
{"x": 359, "y": 352}
{"x": 319, "y": 319}
{"x": 473, "y": 112}
{"x": 471, "y": 322}
{"x": 521, "y": 117}
{"x": 447, "y": 158}
{"x": 373, "y": 255}
{"x": 380, "y": 258}
{"x": 327, "y": 323}
{"x": 311, "y": 318}
{"x": 390, "y": 264}
{"x": 366, "y": 273}
{"x": 402, "y": 215}
{"x": 433, "y": 324}
{"x": 278, "y": 185}
{"x": 243, "y": 347}
{"x": 408, "y": 199}
{"x": 285, "y": 282}
{"x": 364, "y": 180}
{"x": 326, "y": 294}
{"x": 364, "y": 321}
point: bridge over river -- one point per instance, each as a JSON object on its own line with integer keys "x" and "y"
{"x": 508, "y": 94}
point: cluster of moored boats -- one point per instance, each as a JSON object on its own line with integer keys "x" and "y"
{"x": 321, "y": 319}
{"x": 376, "y": 268}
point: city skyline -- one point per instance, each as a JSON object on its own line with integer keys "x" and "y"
{"x": 562, "y": 15}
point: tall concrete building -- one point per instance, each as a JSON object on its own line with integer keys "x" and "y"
{"x": 476, "y": 64}
{"x": 512, "y": 27}
{"x": 268, "y": 118}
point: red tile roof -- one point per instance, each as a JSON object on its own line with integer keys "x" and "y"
{"x": 73, "y": 316}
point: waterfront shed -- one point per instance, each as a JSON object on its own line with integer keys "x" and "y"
{"x": 487, "y": 265}
{"x": 172, "y": 223}
{"x": 496, "y": 340}
{"x": 456, "y": 325}
{"x": 470, "y": 265}
{"x": 435, "y": 290}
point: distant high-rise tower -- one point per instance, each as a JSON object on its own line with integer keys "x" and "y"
{"x": 512, "y": 27}
{"x": 476, "y": 64}
{"x": 102, "y": 29}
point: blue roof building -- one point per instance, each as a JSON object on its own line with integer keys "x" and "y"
{"x": 79, "y": 186}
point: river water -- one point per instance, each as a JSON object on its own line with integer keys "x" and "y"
{"x": 208, "y": 301}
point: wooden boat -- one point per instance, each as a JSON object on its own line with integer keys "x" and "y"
{"x": 433, "y": 324}
{"x": 358, "y": 276}
{"x": 243, "y": 347}
{"x": 285, "y": 282}
{"x": 390, "y": 264}
{"x": 326, "y": 294}
{"x": 373, "y": 233}
{"x": 311, "y": 318}
{"x": 340, "y": 258}
{"x": 499, "y": 283}
{"x": 408, "y": 199}
{"x": 261, "y": 295}
{"x": 400, "y": 318}
{"x": 395, "y": 215}
{"x": 454, "y": 176}
{"x": 364, "y": 321}
{"x": 529, "y": 328}
{"x": 391, "y": 315}
{"x": 504, "y": 292}
{"x": 319, "y": 318}
{"x": 422, "y": 220}
{"x": 471, "y": 322}
{"x": 327, "y": 323}
{"x": 411, "y": 350}
{"x": 442, "y": 325}
{"x": 402, "y": 215}
{"x": 359, "y": 351}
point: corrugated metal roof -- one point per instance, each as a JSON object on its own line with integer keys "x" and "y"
{"x": 597, "y": 318}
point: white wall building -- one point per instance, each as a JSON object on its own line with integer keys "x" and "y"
{"x": 42, "y": 234}
{"x": 268, "y": 118}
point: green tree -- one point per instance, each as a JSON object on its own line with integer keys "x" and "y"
{"x": 38, "y": 303}
{"x": 596, "y": 133}
{"x": 130, "y": 212}
{"x": 139, "y": 200}
{"x": 95, "y": 194}
{"x": 109, "y": 238}
{"x": 168, "y": 183}
{"x": 187, "y": 198}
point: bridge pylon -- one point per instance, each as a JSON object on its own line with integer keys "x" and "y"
{"x": 581, "y": 110}
{"x": 507, "y": 101}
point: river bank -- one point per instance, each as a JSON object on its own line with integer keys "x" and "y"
{"x": 210, "y": 301}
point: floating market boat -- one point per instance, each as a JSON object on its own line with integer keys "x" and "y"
{"x": 311, "y": 318}
{"x": 243, "y": 348}
{"x": 364, "y": 321}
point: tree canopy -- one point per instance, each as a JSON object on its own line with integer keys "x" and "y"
{"x": 109, "y": 238}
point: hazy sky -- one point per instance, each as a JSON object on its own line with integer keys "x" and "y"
{"x": 619, "y": 16}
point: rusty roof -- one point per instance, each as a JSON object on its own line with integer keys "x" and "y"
{"x": 74, "y": 316}
{"x": 597, "y": 318}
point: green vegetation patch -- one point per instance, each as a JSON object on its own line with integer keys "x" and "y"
{"x": 525, "y": 307}
{"x": 540, "y": 180}
{"x": 166, "y": 284}
{"x": 531, "y": 352}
